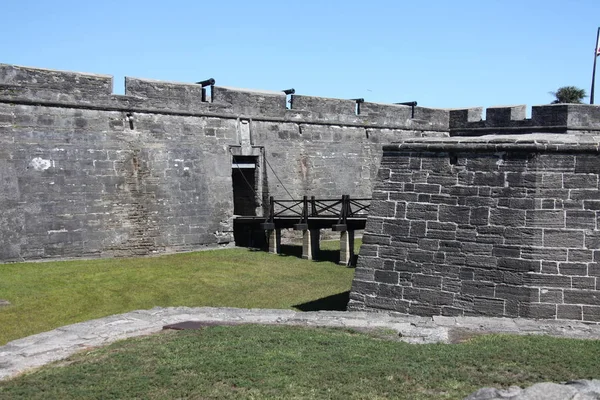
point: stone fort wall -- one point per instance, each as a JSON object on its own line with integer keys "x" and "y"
{"x": 502, "y": 224}
{"x": 85, "y": 172}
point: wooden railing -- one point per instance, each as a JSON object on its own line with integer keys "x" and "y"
{"x": 310, "y": 208}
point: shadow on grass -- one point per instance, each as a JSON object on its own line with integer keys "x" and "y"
{"x": 336, "y": 302}
{"x": 333, "y": 256}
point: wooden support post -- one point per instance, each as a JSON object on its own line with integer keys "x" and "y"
{"x": 310, "y": 243}
{"x": 347, "y": 247}
{"x": 274, "y": 241}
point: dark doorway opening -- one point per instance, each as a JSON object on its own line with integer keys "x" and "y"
{"x": 243, "y": 175}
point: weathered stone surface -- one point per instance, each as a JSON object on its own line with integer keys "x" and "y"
{"x": 84, "y": 172}
{"x": 527, "y": 230}
{"x": 30, "y": 352}
{"x": 572, "y": 390}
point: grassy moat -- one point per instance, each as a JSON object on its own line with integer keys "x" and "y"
{"x": 250, "y": 361}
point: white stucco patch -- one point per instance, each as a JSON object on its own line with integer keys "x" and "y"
{"x": 39, "y": 164}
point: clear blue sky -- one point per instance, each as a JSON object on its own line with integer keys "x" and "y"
{"x": 440, "y": 53}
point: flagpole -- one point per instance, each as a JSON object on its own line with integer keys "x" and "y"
{"x": 594, "y": 69}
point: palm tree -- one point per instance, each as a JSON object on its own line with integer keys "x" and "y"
{"x": 569, "y": 94}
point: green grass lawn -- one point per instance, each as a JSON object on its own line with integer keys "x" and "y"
{"x": 249, "y": 361}
{"x": 47, "y": 295}
{"x": 259, "y": 362}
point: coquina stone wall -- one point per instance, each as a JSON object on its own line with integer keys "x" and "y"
{"x": 85, "y": 172}
{"x": 497, "y": 225}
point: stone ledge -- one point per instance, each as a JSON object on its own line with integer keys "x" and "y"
{"x": 34, "y": 351}
{"x": 535, "y": 142}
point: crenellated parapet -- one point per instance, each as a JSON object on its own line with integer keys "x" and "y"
{"x": 554, "y": 118}
{"x": 27, "y": 85}
{"x": 73, "y": 89}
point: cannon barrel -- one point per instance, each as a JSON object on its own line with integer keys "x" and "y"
{"x": 207, "y": 82}
{"x": 408, "y": 103}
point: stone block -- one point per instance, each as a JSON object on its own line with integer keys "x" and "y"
{"x": 454, "y": 214}
{"x": 441, "y": 234}
{"x": 419, "y": 211}
{"x": 545, "y": 254}
{"x": 523, "y": 180}
{"x": 443, "y": 199}
{"x": 490, "y": 234}
{"x": 389, "y": 277}
{"x": 480, "y": 289}
{"x": 576, "y": 255}
{"x": 449, "y": 246}
{"x": 435, "y": 297}
{"x": 427, "y": 281}
{"x": 580, "y": 219}
{"x": 407, "y": 266}
{"x": 591, "y": 313}
{"x": 547, "y": 281}
{"x": 452, "y": 311}
{"x": 424, "y": 310}
{"x": 417, "y": 229}
{"x": 592, "y": 240}
{"x": 395, "y": 227}
{"x": 384, "y": 303}
{"x": 555, "y": 162}
{"x": 584, "y": 282}
{"x": 507, "y": 217}
{"x": 519, "y": 265}
{"x": 547, "y": 204}
{"x": 390, "y": 291}
{"x": 486, "y": 274}
{"x": 568, "y": 311}
{"x": 545, "y": 218}
{"x": 520, "y": 293}
{"x": 552, "y": 180}
{"x": 593, "y": 205}
{"x": 461, "y": 118}
{"x": 496, "y": 179}
{"x": 389, "y": 252}
{"x": 580, "y": 181}
{"x": 502, "y": 116}
{"x": 512, "y": 278}
{"x": 362, "y": 273}
{"x": 582, "y": 194}
{"x": 374, "y": 225}
{"x": 427, "y": 188}
{"x": 594, "y": 269}
{"x": 590, "y": 297}
{"x": 463, "y": 191}
{"x": 446, "y": 180}
{"x": 563, "y": 238}
{"x": 428, "y": 244}
{"x": 537, "y": 311}
{"x": 420, "y": 256}
{"x": 466, "y": 234}
{"x": 369, "y": 238}
{"x": 586, "y": 164}
{"x": 487, "y": 306}
{"x": 554, "y": 296}
{"x": 479, "y": 216}
{"x": 571, "y": 268}
{"x": 452, "y": 285}
{"x": 506, "y": 251}
{"x": 481, "y": 261}
{"x": 364, "y": 288}
{"x": 383, "y": 209}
